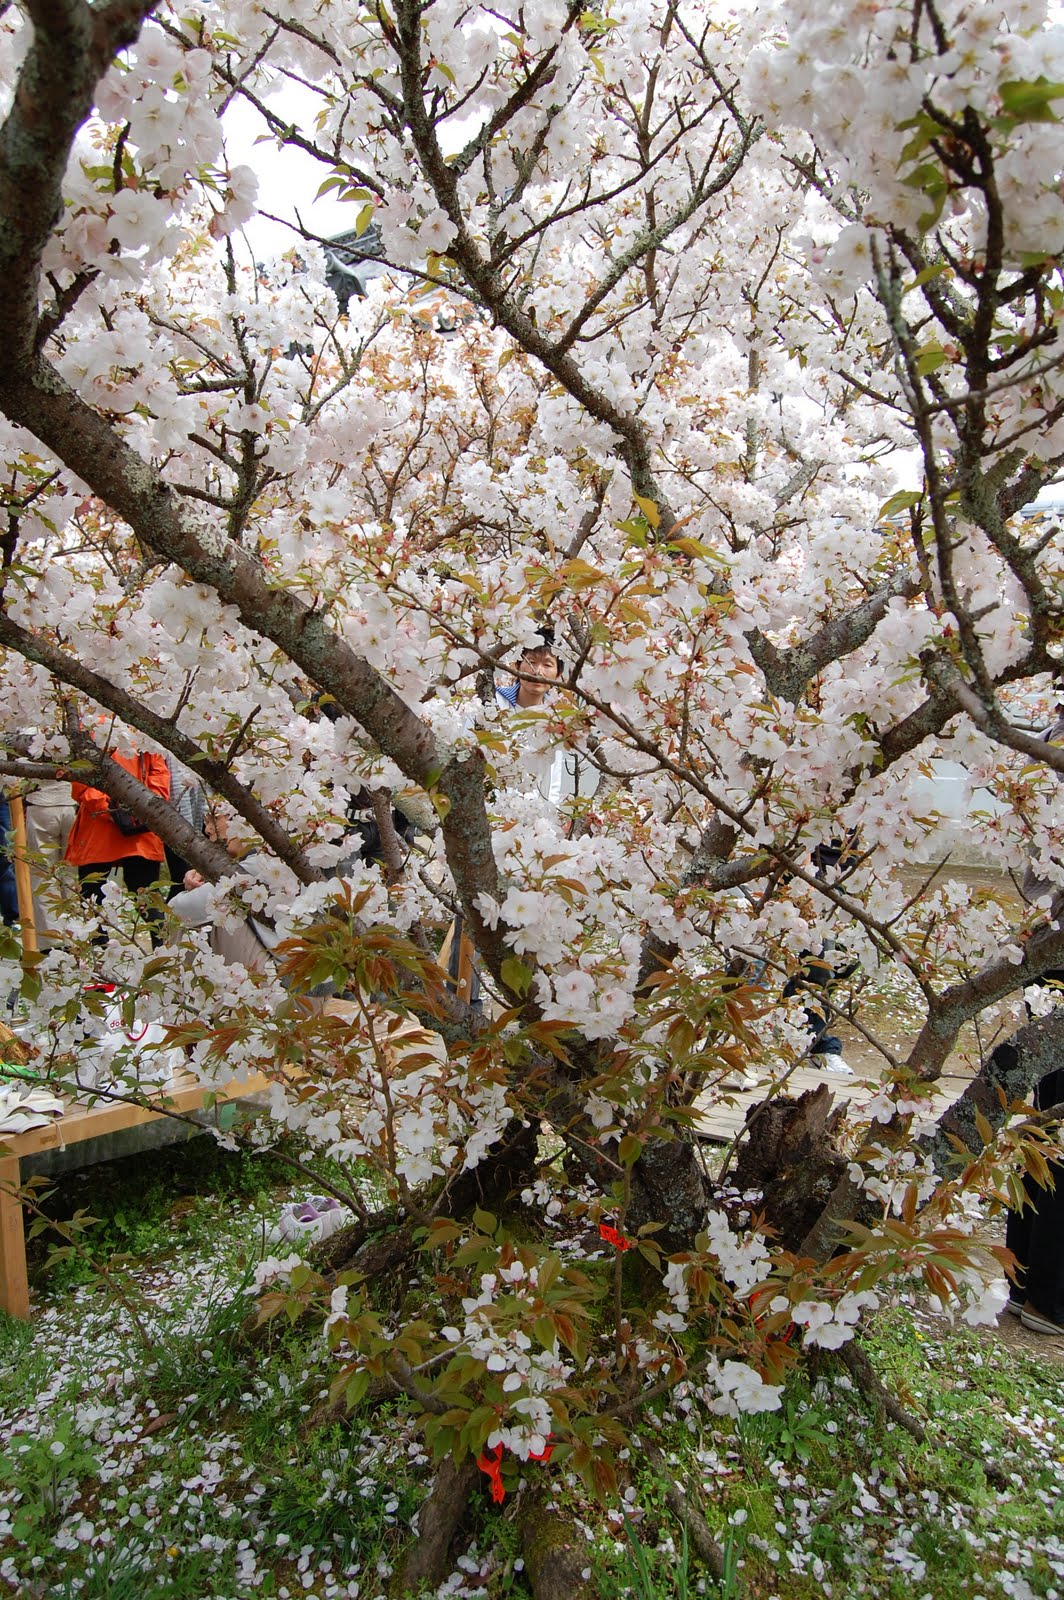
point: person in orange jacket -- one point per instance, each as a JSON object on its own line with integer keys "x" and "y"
{"x": 96, "y": 843}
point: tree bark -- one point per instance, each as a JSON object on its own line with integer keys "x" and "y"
{"x": 789, "y": 1155}
{"x": 669, "y": 1185}
{"x": 556, "y": 1554}
{"x": 428, "y": 1560}
{"x": 1013, "y": 1069}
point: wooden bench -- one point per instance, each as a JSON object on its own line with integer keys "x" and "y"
{"x": 77, "y": 1124}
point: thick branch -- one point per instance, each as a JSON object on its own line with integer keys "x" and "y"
{"x": 931, "y": 717}
{"x": 210, "y": 859}
{"x": 787, "y": 673}
{"x": 961, "y": 1002}
{"x": 73, "y": 45}
{"x": 990, "y": 718}
{"x": 34, "y": 771}
{"x": 1013, "y": 1069}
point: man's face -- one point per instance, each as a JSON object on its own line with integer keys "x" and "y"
{"x": 539, "y": 669}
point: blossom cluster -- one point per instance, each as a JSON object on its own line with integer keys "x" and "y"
{"x": 528, "y": 1375}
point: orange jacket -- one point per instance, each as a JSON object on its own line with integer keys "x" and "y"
{"x": 94, "y": 837}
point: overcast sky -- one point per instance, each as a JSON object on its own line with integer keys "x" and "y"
{"x": 288, "y": 178}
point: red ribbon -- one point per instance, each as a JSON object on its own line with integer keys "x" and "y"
{"x": 490, "y": 1463}
{"x": 611, "y": 1236}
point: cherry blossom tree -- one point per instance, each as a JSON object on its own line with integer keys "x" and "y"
{"x": 709, "y": 275}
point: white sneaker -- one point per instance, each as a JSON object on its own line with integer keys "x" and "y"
{"x": 831, "y": 1063}
{"x": 1037, "y": 1323}
{"x": 309, "y": 1221}
{"x": 739, "y": 1081}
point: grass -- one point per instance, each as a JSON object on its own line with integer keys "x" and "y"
{"x": 196, "y": 1473}
{"x": 145, "y": 1205}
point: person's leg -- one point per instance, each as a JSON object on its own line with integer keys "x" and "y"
{"x": 91, "y": 879}
{"x": 177, "y": 866}
{"x": 1043, "y": 1246}
{"x": 138, "y": 875}
{"x": 1018, "y": 1228}
{"x": 47, "y": 830}
{"x": 8, "y": 891}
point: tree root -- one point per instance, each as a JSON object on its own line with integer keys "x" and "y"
{"x": 377, "y": 1256}
{"x": 336, "y": 1254}
{"x": 555, "y": 1552}
{"x": 328, "y": 1411}
{"x": 428, "y": 1560}
{"x": 376, "y": 1245}
{"x": 350, "y": 1250}
{"x": 705, "y": 1545}
{"x": 856, "y": 1362}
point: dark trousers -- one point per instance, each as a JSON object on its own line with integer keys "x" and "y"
{"x": 1035, "y": 1235}
{"x": 818, "y": 972}
{"x": 177, "y": 866}
{"x": 8, "y": 891}
{"x": 137, "y": 874}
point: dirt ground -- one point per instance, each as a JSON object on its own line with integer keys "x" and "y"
{"x": 1011, "y": 1332}
{"x": 893, "y": 1023}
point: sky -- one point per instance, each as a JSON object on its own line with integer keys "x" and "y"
{"x": 288, "y": 178}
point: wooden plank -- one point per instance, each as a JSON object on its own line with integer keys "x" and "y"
{"x": 78, "y": 1124}
{"x": 443, "y": 960}
{"x": 23, "y": 887}
{"x": 81, "y": 1122}
{"x": 464, "y": 986}
{"x": 14, "y": 1284}
{"x": 720, "y": 1121}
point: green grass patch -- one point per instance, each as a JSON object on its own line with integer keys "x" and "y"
{"x": 206, "y": 1468}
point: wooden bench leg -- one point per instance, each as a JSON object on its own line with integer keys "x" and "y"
{"x": 14, "y": 1284}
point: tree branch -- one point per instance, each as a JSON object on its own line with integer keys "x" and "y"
{"x": 788, "y": 673}
{"x": 215, "y": 774}
{"x": 210, "y": 859}
{"x": 949, "y": 1011}
{"x": 482, "y": 274}
{"x": 72, "y": 47}
{"x": 1012, "y": 1070}
{"x": 990, "y": 718}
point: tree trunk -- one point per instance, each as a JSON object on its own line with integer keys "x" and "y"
{"x": 428, "y": 1560}
{"x": 556, "y": 1554}
{"x": 669, "y": 1185}
{"x": 789, "y": 1155}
